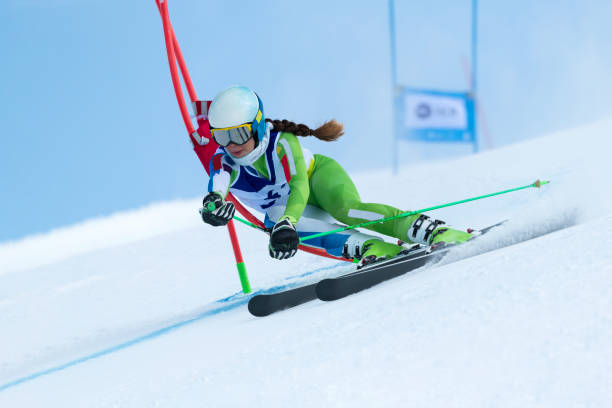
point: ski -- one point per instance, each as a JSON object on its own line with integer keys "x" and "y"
{"x": 266, "y": 304}
{"x": 339, "y": 287}
{"x": 330, "y": 289}
{"x": 342, "y": 286}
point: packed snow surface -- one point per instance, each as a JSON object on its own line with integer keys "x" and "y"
{"x": 143, "y": 309}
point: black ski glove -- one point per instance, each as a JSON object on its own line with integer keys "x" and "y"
{"x": 216, "y": 211}
{"x": 284, "y": 240}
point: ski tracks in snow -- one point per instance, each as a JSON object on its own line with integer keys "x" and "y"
{"x": 90, "y": 349}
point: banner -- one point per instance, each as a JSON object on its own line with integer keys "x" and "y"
{"x": 434, "y": 116}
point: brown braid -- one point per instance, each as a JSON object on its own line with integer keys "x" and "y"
{"x": 329, "y": 131}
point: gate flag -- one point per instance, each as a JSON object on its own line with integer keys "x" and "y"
{"x": 435, "y": 116}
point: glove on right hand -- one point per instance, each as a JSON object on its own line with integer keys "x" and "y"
{"x": 216, "y": 211}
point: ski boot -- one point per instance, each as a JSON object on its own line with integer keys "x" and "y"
{"x": 375, "y": 250}
{"x": 427, "y": 231}
{"x": 446, "y": 235}
{"x": 369, "y": 249}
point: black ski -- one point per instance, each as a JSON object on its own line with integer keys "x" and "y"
{"x": 342, "y": 286}
{"x": 264, "y": 305}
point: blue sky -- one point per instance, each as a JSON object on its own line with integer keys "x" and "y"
{"x": 90, "y": 125}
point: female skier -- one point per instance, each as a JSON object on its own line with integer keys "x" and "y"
{"x": 255, "y": 155}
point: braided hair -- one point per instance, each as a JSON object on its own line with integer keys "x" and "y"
{"x": 328, "y": 131}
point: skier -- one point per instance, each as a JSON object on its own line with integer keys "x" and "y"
{"x": 262, "y": 164}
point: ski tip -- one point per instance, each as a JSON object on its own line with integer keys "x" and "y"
{"x": 325, "y": 290}
{"x": 258, "y": 306}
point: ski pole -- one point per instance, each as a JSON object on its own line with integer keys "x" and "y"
{"x": 211, "y": 207}
{"x": 536, "y": 184}
{"x": 250, "y": 224}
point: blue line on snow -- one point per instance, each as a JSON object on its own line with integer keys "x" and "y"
{"x": 228, "y": 303}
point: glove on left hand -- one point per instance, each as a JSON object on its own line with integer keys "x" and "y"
{"x": 284, "y": 240}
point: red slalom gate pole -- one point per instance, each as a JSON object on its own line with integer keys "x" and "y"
{"x": 174, "y": 54}
{"x": 179, "y": 58}
{"x": 176, "y": 82}
{"x": 242, "y": 273}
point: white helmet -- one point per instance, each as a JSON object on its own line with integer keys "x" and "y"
{"x": 238, "y": 105}
{"x": 235, "y": 106}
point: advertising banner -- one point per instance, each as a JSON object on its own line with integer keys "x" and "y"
{"x": 435, "y": 116}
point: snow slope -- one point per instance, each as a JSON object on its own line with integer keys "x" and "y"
{"x": 138, "y": 309}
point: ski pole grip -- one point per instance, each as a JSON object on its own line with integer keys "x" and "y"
{"x": 211, "y": 207}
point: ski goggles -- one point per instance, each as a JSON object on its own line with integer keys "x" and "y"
{"x": 235, "y": 134}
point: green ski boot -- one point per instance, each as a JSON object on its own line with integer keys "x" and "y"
{"x": 428, "y": 231}
{"x": 375, "y": 250}
{"x": 446, "y": 235}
